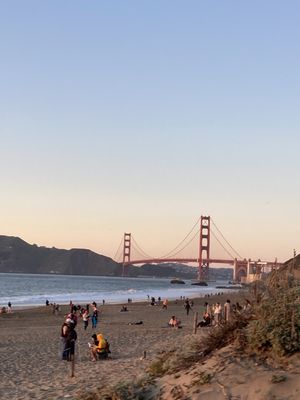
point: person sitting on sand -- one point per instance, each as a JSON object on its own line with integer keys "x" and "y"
{"x": 205, "y": 321}
{"x": 99, "y": 347}
{"x": 123, "y": 309}
{"x": 174, "y": 322}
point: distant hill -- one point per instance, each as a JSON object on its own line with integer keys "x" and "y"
{"x": 18, "y": 256}
{"x": 171, "y": 270}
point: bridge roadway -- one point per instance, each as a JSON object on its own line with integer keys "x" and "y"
{"x": 243, "y": 262}
{"x": 184, "y": 260}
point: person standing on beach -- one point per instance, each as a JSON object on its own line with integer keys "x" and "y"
{"x": 63, "y": 335}
{"x": 227, "y": 310}
{"x": 217, "y": 313}
{"x": 9, "y": 309}
{"x": 85, "y": 319}
{"x": 165, "y": 304}
{"x": 71, "y": 338}
{"x": 95, "y": 318}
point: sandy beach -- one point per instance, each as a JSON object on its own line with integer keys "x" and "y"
{"x": 30, "y": 348}
{"x": 31, "y": 365}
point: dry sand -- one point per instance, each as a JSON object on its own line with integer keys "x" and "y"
{"x": 31, "y": 365}
{"x": 232, "y": 376}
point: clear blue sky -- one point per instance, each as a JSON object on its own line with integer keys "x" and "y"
{"x": 141, "y": 115}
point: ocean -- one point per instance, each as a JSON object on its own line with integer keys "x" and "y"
{"x": 25, "y": 290}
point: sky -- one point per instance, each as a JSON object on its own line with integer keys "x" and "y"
{"x": 140, "y": 116}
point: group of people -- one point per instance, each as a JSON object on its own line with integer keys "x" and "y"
{"x": 85, "y": 314}
{"x": 158, "y": 302}
{"x": 99, "y": 346}
{"x": 215, "y": 314}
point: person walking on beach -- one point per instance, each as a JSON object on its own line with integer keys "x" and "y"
{"x": 187, "y": 306}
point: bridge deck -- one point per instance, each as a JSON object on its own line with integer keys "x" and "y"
{"x": 196, "y": 260}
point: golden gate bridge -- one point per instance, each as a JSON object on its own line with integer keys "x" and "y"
{"x": 202, "y": 231}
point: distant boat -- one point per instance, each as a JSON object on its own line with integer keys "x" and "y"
{"x": 178, "y": 281}
{"x": 199, "y": 283}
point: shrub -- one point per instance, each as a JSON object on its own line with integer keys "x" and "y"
{"x": 276, "y": 325}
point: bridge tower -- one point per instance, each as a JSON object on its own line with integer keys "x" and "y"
{"x": 204, "y": 245}
{"x": 126, "y": 252}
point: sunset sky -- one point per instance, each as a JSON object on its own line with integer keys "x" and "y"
{"x": 140, "y": 116}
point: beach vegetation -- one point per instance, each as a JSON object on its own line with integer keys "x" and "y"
{"x": 278, "y": 378}
{"x": 275, "y": 327}
{"x": 203, "y": 379}
{"x": 137, "y": 390}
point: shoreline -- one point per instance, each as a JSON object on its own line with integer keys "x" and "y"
{"x": 134, "y": 301}
{"x": 34, "y": 290}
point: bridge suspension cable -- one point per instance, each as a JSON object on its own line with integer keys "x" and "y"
{"x": 189, "y": 242}
{"x": 212, "y": 232}
{"x": 116, "y": 254}
{"x": 182, "y": 241}
{"x": 138, "y": 253}
{"x": 225, "y": 239}
{"x": 139, "y": 249}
